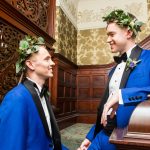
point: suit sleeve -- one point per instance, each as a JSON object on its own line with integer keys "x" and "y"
{"x": 13, "y": 123}
{"x": 132, "y": 96}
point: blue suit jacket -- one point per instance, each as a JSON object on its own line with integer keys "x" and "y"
{"x": 21, "y": 127}
{"x": 134, "y": 90}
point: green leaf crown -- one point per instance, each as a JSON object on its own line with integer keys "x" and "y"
{"x": 27, "y": 46}
{"x": 124, "y": 19}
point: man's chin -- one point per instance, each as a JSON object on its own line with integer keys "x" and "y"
{"x": 113, "y": 51}
{"x": 50, "y": 75}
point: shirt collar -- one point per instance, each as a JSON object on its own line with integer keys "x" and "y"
{"x": 39, "y": 87}
{"x": 129, "y": 51}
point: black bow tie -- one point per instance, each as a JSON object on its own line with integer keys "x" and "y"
{"x": 44, "y": 90}
{"x": 119, "y": 59}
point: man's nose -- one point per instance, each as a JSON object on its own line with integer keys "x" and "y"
{"x": 52, "y": 63}
{"x": 108, "y": 40}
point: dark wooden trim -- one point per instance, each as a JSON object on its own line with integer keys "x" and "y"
{"x": 51, "y": 18}
{"x": 67, "y": 121}
{"x": 96, "y": 66}
{"x": 13, "y": 16}
{"x": 64, "y": 59}
{"x": 146, "y": 40}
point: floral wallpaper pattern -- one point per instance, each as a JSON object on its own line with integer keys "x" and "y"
{"x": 66, "y": 37}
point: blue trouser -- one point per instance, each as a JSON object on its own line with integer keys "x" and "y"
{"x": 101, "y": 142}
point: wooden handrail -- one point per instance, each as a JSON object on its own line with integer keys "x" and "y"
{"x": 137, "y": 134}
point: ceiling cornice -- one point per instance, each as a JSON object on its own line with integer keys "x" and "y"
{"x": 87, "y": 14}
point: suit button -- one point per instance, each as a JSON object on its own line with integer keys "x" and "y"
{"x": 136, "y": 97}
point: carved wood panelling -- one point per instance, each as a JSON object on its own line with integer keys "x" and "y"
{"x": 9, "y": 39}
{"x": 21, "y": 22}
{"x": 35, "y": 10}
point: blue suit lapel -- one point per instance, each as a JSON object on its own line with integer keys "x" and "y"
{"x": 135, "y": 54}
{"x": 30, "y": 86}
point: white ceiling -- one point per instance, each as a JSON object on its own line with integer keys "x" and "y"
{"x": 87, "y": 14}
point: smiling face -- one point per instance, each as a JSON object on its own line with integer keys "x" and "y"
{"x": 40, "y": 64}
{"x": 117, "y": 38}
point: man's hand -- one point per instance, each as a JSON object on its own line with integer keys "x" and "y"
{"x": 112, "y": 103}
{"x": 85, "y": 144}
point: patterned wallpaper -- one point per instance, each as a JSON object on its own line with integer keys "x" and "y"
{"x": 66, "y": 36}
{"x": 92, "y": 47}
{"x": 146, "y": 28}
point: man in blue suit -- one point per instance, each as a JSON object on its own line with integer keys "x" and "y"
{"x": 128, "y": 82}
{"x": 27, "y": 121}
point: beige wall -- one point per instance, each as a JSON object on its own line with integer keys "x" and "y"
{"x": 92, "y": 47}
{"x": 66, "y": 36}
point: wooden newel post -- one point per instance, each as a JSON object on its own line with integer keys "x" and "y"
{"x": 137, "y": 135}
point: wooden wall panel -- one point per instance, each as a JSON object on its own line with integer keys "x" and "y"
{"x": 64, "y": 95}
{"x": 86, "y": 118}
{"x": 98, "y": 81}
{"x": 91, "y": 81}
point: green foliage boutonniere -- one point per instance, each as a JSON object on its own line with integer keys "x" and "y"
{"x": 130, "y": 64}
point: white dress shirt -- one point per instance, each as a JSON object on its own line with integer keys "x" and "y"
{"x": 115, "y": 81}
{"x": 44, "y": 105}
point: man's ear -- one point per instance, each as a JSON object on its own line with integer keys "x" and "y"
{"x": 29, "y": 64}
{"x": 129, "y": 34}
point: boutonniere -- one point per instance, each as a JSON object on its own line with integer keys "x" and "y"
{"x": 48, "y": 93}
{"x": 130, "y": 64}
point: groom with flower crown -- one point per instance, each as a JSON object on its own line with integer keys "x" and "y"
{"x": 27, "y": 121}
{"x": 128, "y": 82}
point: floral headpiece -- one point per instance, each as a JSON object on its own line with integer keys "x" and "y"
{"x": 124, "y": 20}
{"x": 27, "y": 46}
